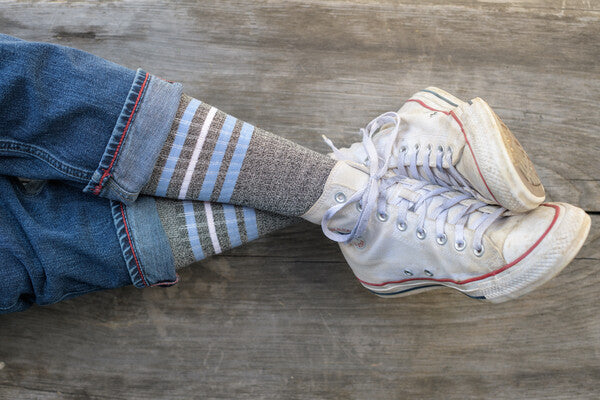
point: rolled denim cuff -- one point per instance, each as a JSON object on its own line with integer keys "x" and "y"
{"x": 137, "y": 138}
{"x": 144, "y": 244}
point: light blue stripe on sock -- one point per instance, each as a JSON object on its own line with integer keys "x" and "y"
{"x": 208, "y": 185}
{"x": 182, "y": 131}
{"x": 236, "y": 163}
{"x": 250, "y": 221}
{"x": 232, "y": 225}
{"x": 192, "y": 229}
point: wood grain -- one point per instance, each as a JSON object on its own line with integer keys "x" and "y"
{"x": 295, "y": 324}
{"x": 283, "y": 317}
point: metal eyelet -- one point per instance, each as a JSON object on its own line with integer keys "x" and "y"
{"x": 460, "y": 246}
{"x": 428, "y": 272}
{"x": 340, "y": 197}
{"x": 441, "y": 239}
{"x": 359, "y": 207}
{"x": 417, "y": 146}
{"x": 382, "y": 217}
{"x": 408, "y": 272}
{"x": 440, "y": 149}
{"x": 403, "y": 149}
{"x": 429, "y": 147}
{"x": 401, "y": 226}
{"x": 479, "y": 252}
{"x": 421, "y": 234}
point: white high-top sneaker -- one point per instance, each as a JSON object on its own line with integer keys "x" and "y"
{"x": 419, "y": 236}
{"x": 401, "y": 236}
{"x": 452, "y": 143}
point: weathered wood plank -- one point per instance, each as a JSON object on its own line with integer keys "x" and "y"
{"x": 251, "y": 324}
{"x": 283, "y": 317}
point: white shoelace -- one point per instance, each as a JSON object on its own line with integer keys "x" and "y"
{"x": 378, "y": 167}
{"x": 375, "y": 194}
{"x": 448, "y": 177}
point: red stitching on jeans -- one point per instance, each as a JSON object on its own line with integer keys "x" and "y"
{"x": 131, "y": 245}
{"x": 112, "y": 161}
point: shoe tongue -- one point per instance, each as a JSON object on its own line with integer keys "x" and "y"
{"x": 357, "y": 153}
{"x": 424, "y": 127}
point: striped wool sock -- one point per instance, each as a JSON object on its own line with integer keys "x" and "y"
{"x": 212, "y": 156}
{"x": 197, "y": 229}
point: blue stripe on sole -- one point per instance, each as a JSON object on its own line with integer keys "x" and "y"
{"x": 417, "y": 288}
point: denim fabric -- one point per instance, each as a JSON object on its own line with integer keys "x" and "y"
{"x": 137, "y": 139}
{"x": 69, "y": 115}
{"x": 58, "y": 242}
{"x": 55, "y": 244}
{"x": 144, "y": 243}
{"x": 71, "y": 121}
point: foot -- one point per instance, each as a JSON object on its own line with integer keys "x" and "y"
{"x": 452, "y": 143}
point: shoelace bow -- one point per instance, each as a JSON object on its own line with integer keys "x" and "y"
{"x": 375, "y": 194}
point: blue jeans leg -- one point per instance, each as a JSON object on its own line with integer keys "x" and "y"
{"x": 57, "y": 242}
{"x": 69, "y": 115}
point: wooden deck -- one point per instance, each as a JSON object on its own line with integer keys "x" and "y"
{"x": 283, "y": 317}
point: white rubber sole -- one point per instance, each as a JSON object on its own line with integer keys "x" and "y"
{"x": 505, "y": 169}
{"x": 554, "y": 252}
{"x": 505, "y": 174}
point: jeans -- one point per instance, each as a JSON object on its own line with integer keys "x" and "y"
{"x": 79, "y": 137}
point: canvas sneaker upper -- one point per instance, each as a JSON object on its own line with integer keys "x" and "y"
{"x": 464, "y": 145}
{"x": 401, "y": 235}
